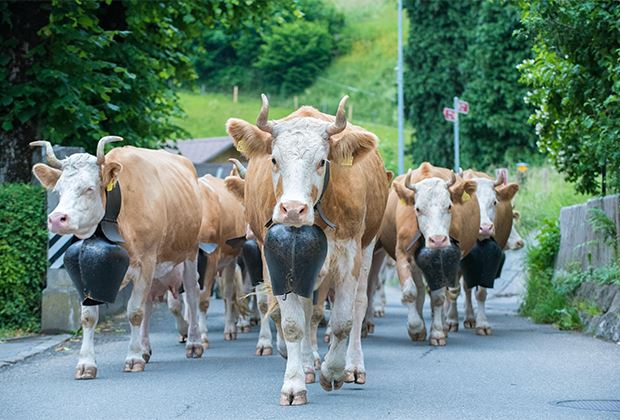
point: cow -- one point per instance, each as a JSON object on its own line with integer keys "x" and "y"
{"x": 159, "y": 219}
{"x": 496, "y": 216}
{"x": 288, "y": 163}
{"x": 431, "y": 207}
{"x": 515, "y": 241}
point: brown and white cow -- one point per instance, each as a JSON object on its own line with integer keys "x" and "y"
{"x": 285, "y": 176}
{"x": 436, "y": 206}
{"x": 496, "y": 218}
{"x": 160, "y": 220}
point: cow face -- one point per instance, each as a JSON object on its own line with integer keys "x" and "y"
{"x": 490, "y": 193}
{"x": 298, "y": 148}
{"x": 433, "y": 208}
{"x": 79, "y": 181}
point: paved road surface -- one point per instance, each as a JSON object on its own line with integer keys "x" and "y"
{"x": 519, "y": 372}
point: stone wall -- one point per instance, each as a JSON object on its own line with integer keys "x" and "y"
{"x": 605, "y": 324}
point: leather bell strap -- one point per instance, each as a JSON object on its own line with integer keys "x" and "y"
{"x": 109, "y": 223}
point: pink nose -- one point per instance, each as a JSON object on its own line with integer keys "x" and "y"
{"x": 438, "y": 241}
{"x": 57, "y": 221}
{"x": 293, "y": 210}
{"x": 486, "y": 229}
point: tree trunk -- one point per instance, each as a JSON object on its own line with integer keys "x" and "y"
{"x": 15, "y": 154}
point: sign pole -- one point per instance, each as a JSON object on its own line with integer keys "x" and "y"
{"x": 399, "y": 80}
{"x": 457, "y": 161}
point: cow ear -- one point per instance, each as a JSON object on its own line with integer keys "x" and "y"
{"x": 236, "y": 186}
{"x": 350, "y": 146}
{"x": 507, "y": 192}
{"x": 516, "y": 215}
{"x": 46, "y": 175}
{"x": 404, "y": 194}
{"x": 249, "y": 140}
{"x": 462, "y": 191}
{"x": 390, "y": 176}
{"x": 109, "y": 173}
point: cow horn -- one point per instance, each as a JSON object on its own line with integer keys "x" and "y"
{"x": 452, "y": 180}
{"x": 262, "y": 121}
{"x": 500, "y": 179}
{"x": 52, "y": 160}
{"x": 101, "y": 146}
{"x": 341, "y": 119}
{"x": 242, "y": 170}
{"x": 408, "y": 181}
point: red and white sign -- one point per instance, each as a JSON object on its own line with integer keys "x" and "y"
{"x": 449, "y": 114}
{"x": 463, "y": 107}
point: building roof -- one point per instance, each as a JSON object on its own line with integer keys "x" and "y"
{"x": 200, "y": 150}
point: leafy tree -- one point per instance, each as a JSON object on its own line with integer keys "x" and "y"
{"x": 495, "y": 132}
{"x": 574, "y": 81}
{"x": 73, "y": 71}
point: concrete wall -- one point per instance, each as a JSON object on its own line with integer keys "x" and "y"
{"x": 579, "y": 243}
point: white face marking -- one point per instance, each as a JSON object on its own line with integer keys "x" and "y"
{"x": 487, "y": 200}
{"x": 433, "y": 208}
{"x": 79, "y": 187}
{"x": 300, "y": 146}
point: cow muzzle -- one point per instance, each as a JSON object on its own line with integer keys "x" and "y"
{"x": 486, "y": 230}
{"x": 294, "y": 213}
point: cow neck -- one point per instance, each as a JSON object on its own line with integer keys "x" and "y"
{"x": 109, "y": 224}
{"x": 317, "y": 205}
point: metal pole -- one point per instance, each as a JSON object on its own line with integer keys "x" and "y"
{"x": 457, "y": 161}
{"x": 399, "y": 79}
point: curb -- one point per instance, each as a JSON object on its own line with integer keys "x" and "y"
{"x": 30, "y": 346}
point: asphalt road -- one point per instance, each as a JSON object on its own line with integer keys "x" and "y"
{"x": 521, "y": 371}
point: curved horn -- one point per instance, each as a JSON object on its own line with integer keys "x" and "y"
{"x": 452, "y": 180}
{"x": 341, "y": 119}
{"x": 500, "y": 179}
{"x": 408, "y": 183}
{"x": 101, "y": 145}
{"x": 262, "y": 121}
{"x": 52, "y": 160}
{"x": 242, "y": 170}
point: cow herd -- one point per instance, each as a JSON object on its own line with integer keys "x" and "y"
{"x": 307, "y": 169}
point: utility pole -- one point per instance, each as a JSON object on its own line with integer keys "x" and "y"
{"x": 457, "y": 159}
{"x": 399, "y": 81}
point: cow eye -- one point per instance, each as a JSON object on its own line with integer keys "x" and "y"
{"x": 273, "y": 160}
{"x": 449, "y": 206}
{"x": 495, "y": 202}
{"x": 89, "y": 190}
{"x": 417, "y": 210}
{"x": 322, "y": 163}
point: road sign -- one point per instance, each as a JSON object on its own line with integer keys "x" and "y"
{"x": 449, "y": 114}
{"x": 463, "y": 107}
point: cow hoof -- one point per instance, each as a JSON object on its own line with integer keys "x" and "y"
{"x": 205, "y": 344}
{"x": 351, "y": 376}
{"x": 441, "y": 341}
{"x": 85, "y": 372}
{"x": 469, "y": 324}
{"x": 317, "y": 363}
{"x": 297, "y": 398}
{"x": 230, "y": 336}
{"x": 147, "y": 355}
{"x": 133, "y": 365}
{"x": 417, "y": 335}
{"x": 484, "y": 331}
{"x": 264, "y": 351}
{"x": 193, "y": 351}
{"x": 182, "y": 338}
{"x": 452, "y": 326}
{"x": 310, "y": 377}
{"x": 326, "y": 338}
{"x": 379, "y": 314}
{"x": 327, "y": 385}
{"x": 246, "y": 329}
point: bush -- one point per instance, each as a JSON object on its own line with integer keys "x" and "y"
{"x": 23, "y": 255}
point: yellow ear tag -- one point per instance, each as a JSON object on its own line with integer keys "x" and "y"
{"x": 110, "y": 186}
{"x": 241, "y": 146}
{"x": 403, "y": 202}
{"x": 347, "y": 161}
{"x": 465, "y": 196}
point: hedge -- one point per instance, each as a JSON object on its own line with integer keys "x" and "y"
{"x": 23, "y": 255}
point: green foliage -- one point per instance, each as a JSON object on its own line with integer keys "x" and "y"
{"x": 467, "y": 49}
{"x": 574, "y": 82}
{"x": 602, "y": 224}
{"x": 23, "y": 258}
{"x": 80, "y": 69}
{"x": 294, "y": 54}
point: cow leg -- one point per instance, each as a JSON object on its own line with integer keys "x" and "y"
{"x": 263, "y": 346}
{"x": 280, "y": 341}
{"x": 377, "y": 259}
{"x": 411, "y": 291}
{"x": 482, "y": 324}
{"x": 355, "y": 370}
{"x": 193, "y": 348}
{"x": 293, "y": 390}
{"x": 317, "y": 315}
{"x": 230, "y": 314}
{"x": 175, "y": 307}
{"x": 87, "y": 366}
{"x": 438, "y": 336}
{"x": 135, "y": 313}
{"x": 452, "y": 319}
{"x": 470, "y": 321}
{"x": 243, "y": 302}
{"x": 306, "y": 342}
{"x": 379, "y": 298}
{"x": 205, "y": 299}
{"x": 144, "y": 330}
